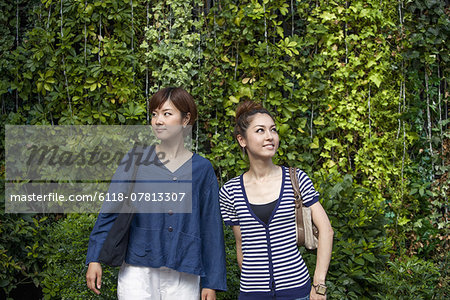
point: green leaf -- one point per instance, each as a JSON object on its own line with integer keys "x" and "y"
{"x": 292, "y": 107}
{"x": 319, "y": 122}
{"x": 283, "y": 129}
{"x": 375, "y": 78}
{"x": 280, "y": 31}
{"x": 49, "y": 73}
{"x": 403, "y": 221}
{"x": 327, "y": 16}
{"x": 315, "y": 143}
{"x": 4, "y": 282}
{"x": 370, "y": 257}
{"x": 233, "y": 99}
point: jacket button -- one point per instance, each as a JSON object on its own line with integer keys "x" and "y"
{"x": 170, "y": 212}
{"x": 174, "y": 179}
{"x": 170, "y": 229}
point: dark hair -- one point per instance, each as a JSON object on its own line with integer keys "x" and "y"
{"x": 244, "y": 115}
{"x": 180, "y": 98}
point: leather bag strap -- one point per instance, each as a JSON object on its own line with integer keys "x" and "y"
{"x": 295, "y": 186}
{"x": 300, "y": 236}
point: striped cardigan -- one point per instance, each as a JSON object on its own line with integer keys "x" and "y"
{"x": 272, "y": 267}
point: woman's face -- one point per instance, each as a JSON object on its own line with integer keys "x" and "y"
{"x": 262, "y": 138}
{"x": 167, "y": 121}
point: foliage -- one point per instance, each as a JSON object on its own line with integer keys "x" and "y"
{"x": 358, "y": 90}
{"x": 171, "y": 44}
{"x": 359, "y": 246}
{"x": 21, "y": 250}
{"x": 421, "y": 223}
{"x": 408, "y": 278}
{"x": 64, "y": 272}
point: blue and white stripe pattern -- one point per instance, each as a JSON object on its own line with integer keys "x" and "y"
{"x": 272, "y": 265}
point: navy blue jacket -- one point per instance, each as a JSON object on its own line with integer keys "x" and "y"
{"x": 186, "y": 242}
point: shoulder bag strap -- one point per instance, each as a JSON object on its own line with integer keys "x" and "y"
{"x": 128, "y": 205}
{"x": 295, "y": 186}
{"x": 299, "y": 231}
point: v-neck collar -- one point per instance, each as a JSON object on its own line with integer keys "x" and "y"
{"x": 247, "y": 203}
{"x": 179, "y": 168}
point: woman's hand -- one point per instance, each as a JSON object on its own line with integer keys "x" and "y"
{"x": 94, "y": 277}
{"x": 208, "y": 294}
{"x": 314, "y": 296}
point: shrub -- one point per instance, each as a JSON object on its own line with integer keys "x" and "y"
{"x": 360, "y": 247}
{"x": 22, "y": 237}
{"x": 64, "y": 276}
{"x": 407, "y": 278}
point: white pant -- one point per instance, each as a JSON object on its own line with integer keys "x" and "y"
{"x": 145, "y": 283}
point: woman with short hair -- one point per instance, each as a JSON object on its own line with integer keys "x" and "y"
{"x": 170, "y": 255}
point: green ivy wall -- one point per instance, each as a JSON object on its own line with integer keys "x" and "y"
{"x": 359, "y": 90}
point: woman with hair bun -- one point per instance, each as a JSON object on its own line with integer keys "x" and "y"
{"x": 259, "y": 205}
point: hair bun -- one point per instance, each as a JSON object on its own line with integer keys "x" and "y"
{"x": 244, "y": 114}
{"x": 247, "y": 107}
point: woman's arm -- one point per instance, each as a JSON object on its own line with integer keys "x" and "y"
{"x": 238, "y": 238}
{"x": 325, "y": 245}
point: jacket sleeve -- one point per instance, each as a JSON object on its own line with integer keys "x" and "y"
{"x": 120, "y": 183}
{"x": 98, "y": 235}
{"x": 213, "y": 246}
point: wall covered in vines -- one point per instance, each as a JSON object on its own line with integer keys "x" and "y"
{"x": 359, "y": 90}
